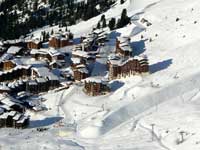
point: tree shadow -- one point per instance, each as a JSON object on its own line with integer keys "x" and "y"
{"x": 116, "y": 85}
{"x": 45, "y": 122}
{"x": 138, "y": 47}
{"x": 160, "y": 66}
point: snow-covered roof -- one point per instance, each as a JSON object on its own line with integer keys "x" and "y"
{"x": 76, "y": 60}
{"x": 120, "y": 61}
{"x": 6, "y": 107}
{"x": 97, "y": 79}
{"x": 124, "y": 43}
{"x": 22, "y": 119}
{"x": 17, "y": 116}
{"x": 80, "y": 53}
{"x": 82, "y": 70}
{"x": 123, "y": 39}
{"x": 6, "y": 56}
{"x": 15, "y": 84}
{"x": 34, "y": 40}
{"x": 14, "y": 49}
{"x": 12, "y": 113}
{"x": 81, "y": 66}
{"x": 83, "y": 54}
{"x": 4, "y": 87}
{"x": 52, "y": 52}
{"x": 60, "y": 35}
{"x": 4, "y": 116}
{"x": 14, "y": 41}
{"x": 45, "y": 72}
{"x": 7, "y": 100}
{"x": 125, "y": 47}
{"x": 16, "y": 68}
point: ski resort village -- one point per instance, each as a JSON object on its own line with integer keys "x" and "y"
{"x": 100, "y": 75}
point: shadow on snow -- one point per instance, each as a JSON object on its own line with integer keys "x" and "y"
{"x": 138, "y": 47}
{"x": 160, "y": 66}
{"x": 116, "y": 85}
{"x": 44, "y": 122}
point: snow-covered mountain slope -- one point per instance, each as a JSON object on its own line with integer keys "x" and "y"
{"x": 133, "y": 7}
{"x": 167, "y": 98}
{"x": 173, "y": 52}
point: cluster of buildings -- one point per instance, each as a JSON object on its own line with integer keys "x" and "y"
{"x": 27, "y": 66}
{"x": 14, "y": 119}
{"x": 18, "y": 71}
{"x": 95, "y": 86}
{"x": 120, "y": 64}
{"x": 84, "y": 54}
{"x": 12, "y": 113}
{"x": 54, "y": 58}
{"x": 123, "y": 63}
{"x": 57, "y": 40}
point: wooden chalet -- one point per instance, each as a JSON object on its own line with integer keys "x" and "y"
{"x": 17, "y": 43}
{"x": 23, "y": 122}
{"x": 19, "y": 72}
{"x": 85, "y": 57}
{"x": 123, "y": 47}
{"x": 60, "y": 40}
{"x": 50, "y": 55}
{"x": 120, "y": 67}
{"x": 7, "y": 65}
{"x": 40, "y": 85}
{"x": 76, "y": 61}
{"x": 16, "y": 50}
{"x": 17, "y": 86}
{"x": 32, "y": 87}
{"x": 9, "y": 103}
{"x": 14, "y": 119}
{"x": 80, "y": 72}
{"x": 95, "y": 86}
{"x": 44, "y": 77}
{"x": 34, "y": 44}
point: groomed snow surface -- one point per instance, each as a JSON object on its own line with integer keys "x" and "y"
{"x": 167, "y": 100}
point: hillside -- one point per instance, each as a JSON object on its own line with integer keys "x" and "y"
{"x": 165, "y": 101}
{"x": 31, "y": 15}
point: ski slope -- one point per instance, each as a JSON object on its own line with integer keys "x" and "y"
{"x": 168, "y": 97}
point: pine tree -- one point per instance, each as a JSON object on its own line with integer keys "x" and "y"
{"x": 103, "y": 18}
{"x": 121, "y": 1}
{"x": 99, "y": 25}
{"x": 52, "y": 32}
{"x": 104, "y": 23}
{"x": 124, "y": 20}
{"x": 112, "y": 23}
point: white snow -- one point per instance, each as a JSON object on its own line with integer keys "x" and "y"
{"x": 167, "y": 98}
